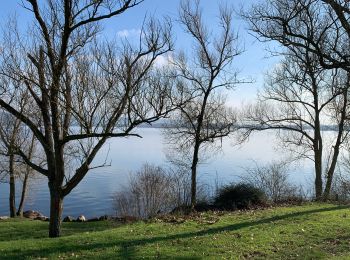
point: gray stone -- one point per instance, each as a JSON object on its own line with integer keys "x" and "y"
{"x": 42, "y": 218}
{"x": 32, "y": 214}
{"x": 81, "y": 218}
{"x": 68, "y": 219}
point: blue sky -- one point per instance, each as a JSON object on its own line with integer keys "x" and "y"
{"x": 252, "y": 63}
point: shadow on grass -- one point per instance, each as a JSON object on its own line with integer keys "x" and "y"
{"x": 127, "y": 248}
{"x": 20, "y": 230}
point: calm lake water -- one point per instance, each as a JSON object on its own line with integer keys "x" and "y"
{"x": 93, "y": 196}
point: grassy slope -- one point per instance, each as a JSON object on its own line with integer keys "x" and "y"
{"x": 312, "y": 231}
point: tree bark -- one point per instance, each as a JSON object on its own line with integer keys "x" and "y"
{"x": 336, "y": 149}
{"x": 23, "y": 195}
{"x": 318, "y": 149}
{"x": 330, "y": 174}
{"x": 12, "y": 197}
{"x": 56, "y": 208}
{"x": 194, "y": 177}
{"x": 318, "y": 173}
{"x": 26, "y": 178}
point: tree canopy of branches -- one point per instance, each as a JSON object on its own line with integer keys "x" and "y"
{"x": 85, "y": 90}
{"x": 197, "y": 125}
{"x": 311, "y": 86}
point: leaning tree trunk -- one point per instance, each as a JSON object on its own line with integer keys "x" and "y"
{"x": 26, "y": 178}
{"x": 337, "y": 145}
{"x": 330, "y": 174}
{"x": 12, "y": 197}
{"x": 23, "y": 195}
{"x": 56, "y": 208}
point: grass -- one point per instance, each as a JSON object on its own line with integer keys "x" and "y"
{"x": 311, "y": 231}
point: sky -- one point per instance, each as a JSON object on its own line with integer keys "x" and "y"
{"x": 252, "y": 64}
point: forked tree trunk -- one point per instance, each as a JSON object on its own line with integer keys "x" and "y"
{"x": 12, "y": 197}
{"x": 56, "y": 208}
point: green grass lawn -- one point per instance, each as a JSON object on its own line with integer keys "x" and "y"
{"x": 312, "y": 231}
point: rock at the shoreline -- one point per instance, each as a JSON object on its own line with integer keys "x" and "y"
{"x": 34, "y": 215}
{"x": 81, "y": 218}
{"x": 68, "y": 219}
{"x": 42, "y": 218}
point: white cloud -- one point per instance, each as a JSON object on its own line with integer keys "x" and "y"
{"x": 129, "y": 33}
{"x": 164, "y": 60}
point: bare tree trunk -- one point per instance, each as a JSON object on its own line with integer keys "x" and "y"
{"x": 318, "y": 148}
{"x": 194, "y": 177}
{"x": 23, "y": 195}
{"x": 330, "y": 175}
{"x": 12, "y": 197}
{"x": 318, "y": 173}
{"x": 56, "y": 208}
{"x": 26, "y": 178}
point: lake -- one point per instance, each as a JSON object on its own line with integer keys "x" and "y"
{"x": 93, "y": 196}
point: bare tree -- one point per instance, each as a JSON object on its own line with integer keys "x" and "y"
{"x": 9, "y": 134}
{"x": 196, "y": 126}
{"x": 313, "y": 83}
{"x": 14, "y": 136}
{"x": 86, "y": 91}
{"x": 299, "y": 99}
{"x": 319, "y": 26}
{"x": 26, "y": 173}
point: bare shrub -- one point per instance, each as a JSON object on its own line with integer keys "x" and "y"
{"x": 147, "y": 194}
{"x": 341, "y": 188}
{"x": 154, "y": 190}
{"x": 273, "y": 179}
{"x": 180, "y": 186}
